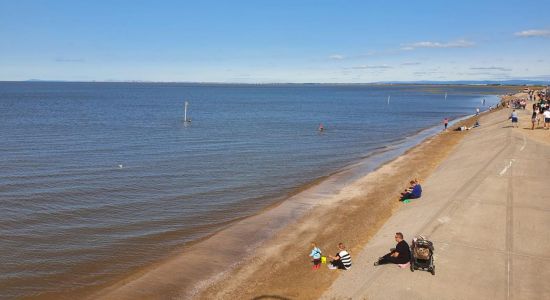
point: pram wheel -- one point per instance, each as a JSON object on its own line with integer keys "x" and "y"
{"x": 432, "y": 270}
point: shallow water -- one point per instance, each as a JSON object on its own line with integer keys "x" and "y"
{"x": 97, "y": 179}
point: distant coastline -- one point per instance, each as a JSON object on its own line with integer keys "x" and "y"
{"x": 519, "y": 82}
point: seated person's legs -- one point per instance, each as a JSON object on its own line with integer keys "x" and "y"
{"x": 338, "y": 264}
{"x": 387, "y": 259}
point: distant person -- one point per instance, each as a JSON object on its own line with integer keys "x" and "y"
{"x": 321, "y": 127}
{"x": 316, "y": 256}
{"x": 400, "y": 255}
{"x": 477, "y": 111}
{"x": 514, "y": 118}
{"x": 533, "y": 119}
{"x": 342, "y": 259}
{"x": 546, "y": 115}
{"x": 446, "y": 123}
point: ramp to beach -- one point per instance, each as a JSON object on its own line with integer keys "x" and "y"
{"x": 487, "y": 210}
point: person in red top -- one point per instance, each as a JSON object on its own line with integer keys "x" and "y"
{"x": 445, "y": 122}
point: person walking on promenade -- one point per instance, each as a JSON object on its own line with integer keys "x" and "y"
{"x": 445, "y": 123}
{"x": 533, "y": 119}
{"x": 514, "y": 118}
{"x": 546, "y": 114}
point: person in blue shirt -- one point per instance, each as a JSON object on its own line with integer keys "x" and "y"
{"x": 414, "y": 193}
{"x": 316, "y": 255}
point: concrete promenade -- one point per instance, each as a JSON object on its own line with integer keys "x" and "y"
{"x": 487, "y": 210}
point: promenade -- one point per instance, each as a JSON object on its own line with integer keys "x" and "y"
{"x": 487, "y": 210}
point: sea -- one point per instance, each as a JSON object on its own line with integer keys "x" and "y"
{"x": 99, "y": 179}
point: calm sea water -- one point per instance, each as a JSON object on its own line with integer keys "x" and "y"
{"x": 97, "y": 179}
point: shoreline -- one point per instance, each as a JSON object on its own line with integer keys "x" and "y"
{"x": 484, "y": 221}
{"x": 145, "y": 282}
{"x": 283, "y": 277}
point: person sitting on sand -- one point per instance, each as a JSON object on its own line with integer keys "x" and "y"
{"x": 412, "y": 183}
{"x": 414, "y": 193}
{"x": 342, "y": 260}
{"x": 400, "y": 255}
{"x": 316, "y": 256}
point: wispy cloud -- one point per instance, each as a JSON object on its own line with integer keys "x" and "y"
{"x": 453, "y": 44}
{"x": 337, "y": 57}
{"x": 491, "y": 69}
{"x": 364, "y": 67}
{"x": 533, "y": 33}
{"x": 410, "y": 64}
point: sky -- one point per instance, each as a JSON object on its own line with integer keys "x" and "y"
{"x": 264, "y": 41}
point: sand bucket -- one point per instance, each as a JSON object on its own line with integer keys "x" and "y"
{"x": 323, "y": 259}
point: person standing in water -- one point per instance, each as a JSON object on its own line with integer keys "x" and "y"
{"x": 446, "y": 122}
{"x": 321, "y": 128}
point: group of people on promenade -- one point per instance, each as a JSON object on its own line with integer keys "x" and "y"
{"x": 541, "y": 111}
{"x": 398, "y": 255}
{"x": 401, "y": 254}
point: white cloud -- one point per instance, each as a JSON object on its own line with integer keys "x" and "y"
{"x": 337, "y": 57}
{"x": 491, "y": 69}
{"x": 454, "y": 44}
{"x": 410, "y": 64}
{"x": 372, "y": 67}
{"x": 533, "y": 33}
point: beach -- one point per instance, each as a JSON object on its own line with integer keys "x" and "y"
{"x": 486, "y": 211}
{"x": 282, "y": 269}
{"x": 279, "y": 266}
{"x": 479, "y": 210}
{"x": 172, "y": 212}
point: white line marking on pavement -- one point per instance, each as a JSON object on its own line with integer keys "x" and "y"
{"x": 508, "y": 279}
{"x": 506, "y": 167}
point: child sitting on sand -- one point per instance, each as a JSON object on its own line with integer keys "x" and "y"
{"x": 316, "y": 256}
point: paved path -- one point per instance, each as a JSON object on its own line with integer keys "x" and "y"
{"x": 487, "y": 210}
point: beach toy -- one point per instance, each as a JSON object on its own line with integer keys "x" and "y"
{"x": 406, "y": 201}
{"x": 323, "y": 259}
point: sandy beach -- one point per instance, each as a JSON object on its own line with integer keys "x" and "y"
{"x": 280, "y": 268}
{"x": 485, "y": 209}
{"x": 280, "y": 265}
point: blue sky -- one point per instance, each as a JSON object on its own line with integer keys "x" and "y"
{"x": 274, "y": 41}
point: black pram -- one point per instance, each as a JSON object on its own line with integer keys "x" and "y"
{"x": 422, "y": 255}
